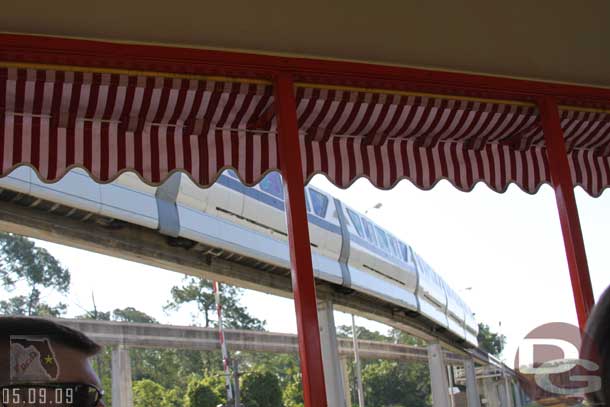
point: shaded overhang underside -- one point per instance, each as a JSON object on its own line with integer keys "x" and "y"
{"x": 111, "y": 107}
{"x": 553, "y": 41}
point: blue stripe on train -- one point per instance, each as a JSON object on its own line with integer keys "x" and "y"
{"x": 278, "y": 204}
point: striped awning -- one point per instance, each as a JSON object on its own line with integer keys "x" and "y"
{"x": 154, "y": 124}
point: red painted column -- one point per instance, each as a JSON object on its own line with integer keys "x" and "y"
{"x": 303, "y": 285}
{"x": 568, "y": 212}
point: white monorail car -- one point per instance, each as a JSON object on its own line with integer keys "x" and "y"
{"x": 348, "y": 249}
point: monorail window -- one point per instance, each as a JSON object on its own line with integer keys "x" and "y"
{"x": 382, "y": 239}
{"x": 307, "y": 207}
{"x": 404, "y": 251}
{"x": 319, "y": 202}
{"x": 394, "y": 246}
{"x": 231, "y": 173}
{"x": 356, "y": 222}
{"x": 272, "y": 184}
{"x": 368, "y": 230}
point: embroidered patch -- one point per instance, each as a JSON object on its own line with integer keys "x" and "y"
{"x": 32, "y": 359}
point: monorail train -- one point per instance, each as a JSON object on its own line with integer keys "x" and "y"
{"x": 348, "y": 249}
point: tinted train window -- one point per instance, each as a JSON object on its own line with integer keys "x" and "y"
{"x": 368, "y": 230}
{"x": 404, "y": 252}
{"x": 356, "y": 221}
{"x": 272, "y": 184}
{"x": 231, "y": 173}
{"x": 394, "y": 246}
{"x": 382, "y": 239}
{"x": 308, "y": 208}
{"x": 319, "y": 203}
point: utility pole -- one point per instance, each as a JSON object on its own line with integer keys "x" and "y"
{"x": 236, "y": 381}
{"x": 223, "y": 345}
{"x": 357, "y": 360}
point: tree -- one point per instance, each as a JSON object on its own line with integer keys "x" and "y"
{"x": 22, "y": 261}
{"x": 199, "y": 394}
{"x": 389, "y": 383}
{"x": 201, "y": 292}
{"x": 173, "y": 398}
{"x": 261, "y": 389}
{"x": 217, "y": 382}
{"x": 284, "y": 366}
{"x": 147, "y": 393}
{"x": 345, "y": 331}
{"x": 489, "y": 341}
{"x": 404, "y": 338}
{"x": 293, "y": 392}
{"x": 130, "y": 314}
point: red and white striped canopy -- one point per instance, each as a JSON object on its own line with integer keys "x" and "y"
{"x": 155, "y": 124}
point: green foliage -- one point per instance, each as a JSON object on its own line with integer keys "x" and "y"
{"x": 385, "y": 383}
{"x": 284, "y": 366}
{"x": 404, "y": 338}
{"x": 490, "y": 341}
{"x": 131, "y": 314}
{"x": 199, "y": 394}
{"x": 345, "y": 331}
{"x": 388, "y": 383}
{"x": 293, "y": 392}
{"x": 201, "y": 292}
{"x": 101, "y": 365}
{"x": 22, "y": 261}
{"x": 217, "y": 382}
{"x": 261, "y": 389}
{"x": 147, "y": 393}
{"x": 173, "y": 398}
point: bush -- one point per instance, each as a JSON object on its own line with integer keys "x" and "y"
{"x": 217, "y": 383}
{"x": 293, "y": 393}
{"x": 147, "y": 393}
{"x": 173, "y": 398}
{"x": 261, "y": 389}
{"x": 199, "y": 394}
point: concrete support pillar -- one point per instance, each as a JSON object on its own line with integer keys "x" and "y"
{"x": 517, "y": 393}
{"x": 345, "y": 375}
{"x": 501, "y": 390}
{"x": 122, "y": 393}
{"x": 491, "y": 393}
{"x": 438, "y": 376}
{"x": 451, "y": 385}
{"x": 507, "y": 388}
{"x": 472, "y": 392}
{"x": 522, "y": 395}
{"x": 333, "y": 379}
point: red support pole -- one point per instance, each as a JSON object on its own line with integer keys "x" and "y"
{"x": 303, "y": 284}
{"x": 568, "y": 212}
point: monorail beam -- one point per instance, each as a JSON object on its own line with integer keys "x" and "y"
{"x": 157, "y": 336}
{"x": 147, "y": 246}
{"x": 137, "y": 244}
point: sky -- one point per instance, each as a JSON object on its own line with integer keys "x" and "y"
{"x": 503, "y": 253}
